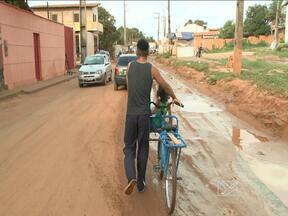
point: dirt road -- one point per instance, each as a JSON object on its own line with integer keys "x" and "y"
{"x": 229, "y": 167}
{"x": 61, "y": 154}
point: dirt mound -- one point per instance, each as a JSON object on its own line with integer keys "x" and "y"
{"x": 269, "y": 110}
{"x": 244, "y": 99}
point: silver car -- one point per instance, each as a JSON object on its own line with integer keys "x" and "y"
{"x": 95, "y": 69}
{"x": 121, "y": 69}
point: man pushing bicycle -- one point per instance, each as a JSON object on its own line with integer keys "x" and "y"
{"x": 140, "y": 75}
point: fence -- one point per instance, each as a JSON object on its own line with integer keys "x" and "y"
{"x": 218, "y": 43}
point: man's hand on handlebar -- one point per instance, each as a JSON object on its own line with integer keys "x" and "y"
{"x": 177, "y": 102}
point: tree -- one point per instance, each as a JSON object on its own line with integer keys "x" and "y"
{"x": 19, "y": 3}
{"x": 200, "y": 22}
{"x": 189, "y": 22}
{"x": 132, "y": 34}
{"x": 272, "y": 12}
{"x": 110, "y": 34}
{"x": 150, "y": 39}
{"x": 257, "y": 21}
{"x": 228, "y": 30}
{"x": 197, "y": 22}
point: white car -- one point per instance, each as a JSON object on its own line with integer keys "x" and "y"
{"x": 95, "y": 69}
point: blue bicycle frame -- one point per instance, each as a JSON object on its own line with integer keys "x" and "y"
{"x": 165, "y": 143}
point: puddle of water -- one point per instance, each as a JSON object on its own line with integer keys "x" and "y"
{"x": 243, "y": 138}
{"x": 196, "y": 104}
{"x": 273, "y": 175}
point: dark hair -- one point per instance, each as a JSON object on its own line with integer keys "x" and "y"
{"x": 162, "y": 94}
{"x": 142, "y": 48}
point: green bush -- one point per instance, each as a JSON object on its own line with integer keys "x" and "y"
{"x": 197, "y": 65}
{"x": 216, "y": 76}
{"x": 267, "y": 75}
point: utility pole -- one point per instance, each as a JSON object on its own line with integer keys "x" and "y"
{"x": 169, "y": 21}
{"x": 237, "y": 61}
{"x": 286, "y": 22}
{"x": 164, "y": 26}
{"x": 125, "y": 36}
{"x": 48, "y": 14}
{"x": 169, "y": 28}
{"x": 158, "y": 20}
{"x": 276, "y": 33}
{"x": 83, "y": 30}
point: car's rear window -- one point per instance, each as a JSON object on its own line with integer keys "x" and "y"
{"x": 124, "y": 60}
{"x": 94, "y": 60}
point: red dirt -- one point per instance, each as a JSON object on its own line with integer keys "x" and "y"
{"x": 61, "y": 154}
{"x": 242, "y": 98}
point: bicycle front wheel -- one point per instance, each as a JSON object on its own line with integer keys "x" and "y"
{"x": 171, "y": 181}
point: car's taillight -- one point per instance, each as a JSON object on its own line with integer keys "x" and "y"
{"x": 116, "y": 71}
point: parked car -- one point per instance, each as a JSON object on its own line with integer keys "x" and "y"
{"x": 121, "y": 69}
{"x": 104, "y": 52}
{"x": 95, "y": 69}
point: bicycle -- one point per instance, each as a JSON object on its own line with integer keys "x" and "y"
{"x": 170, "y": 144}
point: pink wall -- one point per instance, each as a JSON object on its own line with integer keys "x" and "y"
{"x": 17, "y": 28}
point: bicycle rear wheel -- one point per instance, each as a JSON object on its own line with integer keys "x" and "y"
{"x": 171, "y": 181}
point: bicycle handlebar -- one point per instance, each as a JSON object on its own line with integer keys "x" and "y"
{"x": 168, "y": 105}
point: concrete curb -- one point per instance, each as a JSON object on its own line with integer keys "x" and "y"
{"x": 31, "y": 89}
{"x": 36, "y": 89}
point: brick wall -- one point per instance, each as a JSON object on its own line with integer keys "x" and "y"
{"x": 219, "y": 42}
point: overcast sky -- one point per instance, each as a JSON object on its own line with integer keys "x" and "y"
{"x": 140, "y": 14}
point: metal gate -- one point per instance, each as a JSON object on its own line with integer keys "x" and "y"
{"x": 2, "y": 83}
{"x": 69, "y": 48}
{"x": 37, "y": 56}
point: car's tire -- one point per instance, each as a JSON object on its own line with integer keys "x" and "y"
{"x": 80, "y": 85}
{"x": 105, "y": 79}
{"x": 110, "y": 78}
{"x": 115, "y": 86}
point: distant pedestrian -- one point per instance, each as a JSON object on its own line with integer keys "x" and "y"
{"x": 140, "y": 75}
{"x": 199, "y": 51}
{"x": 119, "y": 54}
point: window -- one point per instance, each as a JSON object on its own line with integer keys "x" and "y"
{"x": 124, "y": 60}
{"x": 94, "y": 18}
{"x": 94, "y": 60}
{"x": 76, "y": 17}
{"x": 55, "y": 17}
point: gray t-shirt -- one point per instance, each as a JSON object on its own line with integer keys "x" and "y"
{"x": 139, "y": 88}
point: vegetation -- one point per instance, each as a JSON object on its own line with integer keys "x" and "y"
{"x": 19, "y": 3}
{"x": 257, "y": 21}
{"x": 267, "y": 75}
{"x": 281, "y": 52}
{"x": 164, "y": 55}
{"x": 197, "y": 22}
{"x": 132, "y": 34}
{"x": 197, "y": 65}
{"x": 272, "y": 12}
{"x": 214, "y": 77}
{"x": 246, "y": 46}
{"x": 110, "y": 34}
{"x": 228, "y": 30}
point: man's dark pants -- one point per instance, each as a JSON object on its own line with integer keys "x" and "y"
{"x": 136, "y": 131}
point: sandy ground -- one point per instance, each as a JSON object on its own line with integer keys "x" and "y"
{"x": 61, "y": 154}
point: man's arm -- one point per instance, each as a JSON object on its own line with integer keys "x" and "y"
{"x": 127, "y": 73}
{"x": 160, "y": 80}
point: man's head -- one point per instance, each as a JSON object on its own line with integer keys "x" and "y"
{"x": 142, "y": 48}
